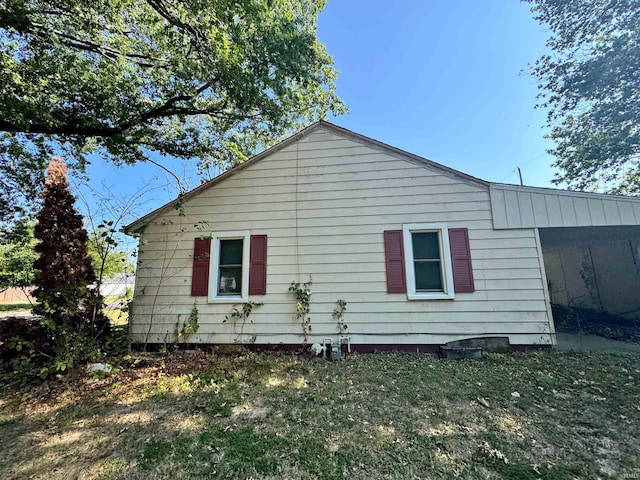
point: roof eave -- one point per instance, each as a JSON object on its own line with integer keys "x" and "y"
{"x": 378, "y": 145}
{"x": 560, "y": 191}
{"x": 139, "y": 224}
{"x": 136, "y": 226}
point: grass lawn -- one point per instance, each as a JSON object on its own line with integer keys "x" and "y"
{"x": 396, "y": 416}
{"x": 14, "y": 307}
{"x": 117, "y": 316}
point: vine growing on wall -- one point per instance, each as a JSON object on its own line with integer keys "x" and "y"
{"x": 188, "y": 327}
{"x": 302, "y": 295}
{"x": 241, "y": 316}
{"x": 588, "y": 276}
{"x": 338, "y": 315}
{"x": 165, "y": 258}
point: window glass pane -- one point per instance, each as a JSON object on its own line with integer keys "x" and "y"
{"x": 425, "y": 245}
{"x": 231, "y": 252}
{"x": 230, "y": 281}
{"x": 428, "y": 276}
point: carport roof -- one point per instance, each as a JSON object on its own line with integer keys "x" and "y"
{"x": 532, "y": 207}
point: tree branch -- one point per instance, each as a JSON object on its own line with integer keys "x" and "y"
{"x": 167, "y": 109}
{"x": 178, "y": 181}
{"x": 158, "y": 6}
{"x": 108, "y": 52}
{"x": 89, "y": 46}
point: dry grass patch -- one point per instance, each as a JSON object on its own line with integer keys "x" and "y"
{"x": 375, "y": 416}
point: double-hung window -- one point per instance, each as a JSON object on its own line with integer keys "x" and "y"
{"x": 230, "y": 267}
{"x": 427, "y": 261}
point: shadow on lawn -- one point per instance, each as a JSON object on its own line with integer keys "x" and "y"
{"x": 122, "y": 421}
{"x": 376, "y": 416}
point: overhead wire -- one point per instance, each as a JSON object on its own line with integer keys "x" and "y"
{"x": 515, "y": 170}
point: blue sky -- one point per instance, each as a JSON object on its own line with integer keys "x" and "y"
{"x": 444, "y": 79}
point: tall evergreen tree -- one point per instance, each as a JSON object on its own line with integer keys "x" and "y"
{"x": 63, "y": 271}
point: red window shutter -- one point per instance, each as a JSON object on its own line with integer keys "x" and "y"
{"x": 201, "y": 261}
{"x": 461, "y": 260}
{"x": 394, "y": 261}
{"x": 258, "y": 265}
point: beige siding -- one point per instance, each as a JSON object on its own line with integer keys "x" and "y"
{"x": 530, "y": 207}
{"x": 324, "y": 203}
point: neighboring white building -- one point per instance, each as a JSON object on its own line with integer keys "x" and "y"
{"x": 422, "y": 254}
{"x": 117, "y": 285}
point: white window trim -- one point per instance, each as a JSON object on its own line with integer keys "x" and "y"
{"x": 445, "y": 263}
{"x": 214, "y": 271}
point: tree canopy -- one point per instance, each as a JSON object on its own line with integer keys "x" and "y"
{"x": 210, "y": 80}
{"x": 590, "y": 84}
{"x": 107, "y": 260}
{"x": 17, "y": 254}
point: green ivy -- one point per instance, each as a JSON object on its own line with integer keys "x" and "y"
{"x": 302, "y": 294}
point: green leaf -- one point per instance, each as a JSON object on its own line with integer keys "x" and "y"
{"x": 205, "y": 81}
{"x": 590, "y": 87}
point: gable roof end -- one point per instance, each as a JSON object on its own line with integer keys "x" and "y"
{"x": 137, "y": 225}
{"x": 512, "y": 206}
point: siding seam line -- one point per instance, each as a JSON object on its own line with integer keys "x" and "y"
{"x": 296, "y": 208}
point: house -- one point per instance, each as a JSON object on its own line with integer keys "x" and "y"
{"x": 117, "y": 285}
{"x": 422, "y": 254}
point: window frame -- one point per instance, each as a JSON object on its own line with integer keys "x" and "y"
{"x": 214, "y": 272}
{"x": 446, "y": 264}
